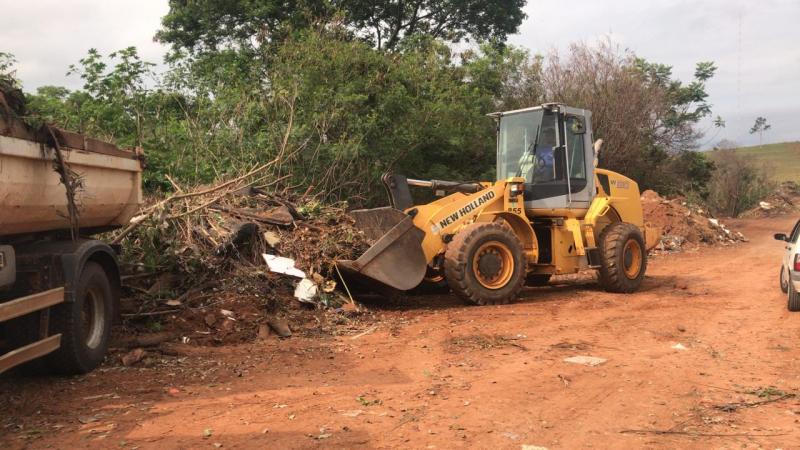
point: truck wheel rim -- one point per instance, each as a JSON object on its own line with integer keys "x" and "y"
{"x": 92, "y": 318}
{"x": 632, "y": 258}
{"x": 493, "y": 265}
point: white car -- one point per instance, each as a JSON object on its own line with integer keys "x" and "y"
{"x": 790, "y": 268}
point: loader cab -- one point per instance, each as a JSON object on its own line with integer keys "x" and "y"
{"x": 551, "y": 147}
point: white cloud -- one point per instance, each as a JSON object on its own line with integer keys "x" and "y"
{"x": 46, "y": 36}
{"x": 684, "y": 32}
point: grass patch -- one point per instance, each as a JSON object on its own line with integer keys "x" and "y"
{"x": 781, "y": 161}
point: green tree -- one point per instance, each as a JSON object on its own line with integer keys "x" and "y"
{"x": 385, "y": 23}
{"x": 737, "y": 184}
{"x": 7, "y": 63}
{"x": 209, "y": 25}
{"x": 646, "y": 117}
{"x": 760, "y": 126}
{"x": 12, "y": 100}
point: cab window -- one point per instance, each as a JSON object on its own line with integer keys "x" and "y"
{"x": 576, "y": 150}
{"x": 548, "y": 165}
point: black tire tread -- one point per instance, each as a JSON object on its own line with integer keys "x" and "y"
{"x": 68, "y": 358}
{"x": 784, "y": 286}
{"x": 457, "y": 258}
{"x": 611, "y": 241}
{"x": 793, "y": 303}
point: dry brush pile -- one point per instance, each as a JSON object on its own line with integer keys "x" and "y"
{"x": 785, "y": 199}
{"x": 195, "y": 263}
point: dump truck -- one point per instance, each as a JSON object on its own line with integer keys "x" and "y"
{"x": 59, "y": 286}
{"x": 551, "y": 211}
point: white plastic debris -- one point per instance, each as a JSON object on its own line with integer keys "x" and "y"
{"x": 585, "y": 360}
{"x": 306, "y": 290}
{"x": 226, "y": 313}
{"x": 279, "y": 264}
{"x": 765, "y": 205}
{"x": 714, "y": 222}
{"x": 679, "y": 346}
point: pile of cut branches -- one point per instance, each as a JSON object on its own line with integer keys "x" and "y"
{"x": 197, "y": 248}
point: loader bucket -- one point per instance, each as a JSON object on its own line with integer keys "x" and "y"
{"x": 395, "y": 258}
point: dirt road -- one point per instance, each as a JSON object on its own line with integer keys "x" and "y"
{"x": 436, "y": 374}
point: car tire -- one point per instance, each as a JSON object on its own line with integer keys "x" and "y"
{"x": 784, "y": 281}
{"x": 793, "y": 299}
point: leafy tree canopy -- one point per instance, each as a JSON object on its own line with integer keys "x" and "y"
{"x": 210, "y": 25}
{"x": 760, "y": 125}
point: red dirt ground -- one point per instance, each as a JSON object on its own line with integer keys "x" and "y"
{"x": 437, "y": 374}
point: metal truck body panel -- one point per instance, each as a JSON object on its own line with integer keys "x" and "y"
{"x": 32, "y": 197}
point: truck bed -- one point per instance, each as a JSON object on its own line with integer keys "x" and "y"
{"x": 32, "y": 197}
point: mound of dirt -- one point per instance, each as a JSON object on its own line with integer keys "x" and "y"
{"x": 684, "y": 225}
{"x": 784, "y": 200}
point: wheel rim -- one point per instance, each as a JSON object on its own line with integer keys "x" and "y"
{"x": 632, "y": 258}
{"x": 784, "y": 281}
{"x": 434, "y": 278}
{"x": 493, "y": 265}
{"x": 92, "y": 316}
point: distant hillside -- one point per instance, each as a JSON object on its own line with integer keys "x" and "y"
{"x": 782, "y": 160}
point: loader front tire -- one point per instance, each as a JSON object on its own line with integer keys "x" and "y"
{"x": 623, "y": 257}
{"x": 484, "y": 264}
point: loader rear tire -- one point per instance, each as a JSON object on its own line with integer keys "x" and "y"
{"x": 623, "y": 257}
{"x": 484, "y": 264}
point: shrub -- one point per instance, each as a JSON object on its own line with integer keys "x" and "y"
{"x": 737, "y": 184}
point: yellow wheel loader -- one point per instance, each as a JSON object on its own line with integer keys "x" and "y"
{"x": 550, "y": 212}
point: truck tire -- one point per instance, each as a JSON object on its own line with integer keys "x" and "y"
{"x": 623, "y": 257}
{"x": 784, "y": 281}
{"x": 537, "y": 279}
{"x": 84, "y": 324}
{"x": 484, "y": 264}
{"x": 794, "y": 298}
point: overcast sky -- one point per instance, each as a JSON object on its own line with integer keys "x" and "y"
{"x": 48, "y": 35}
